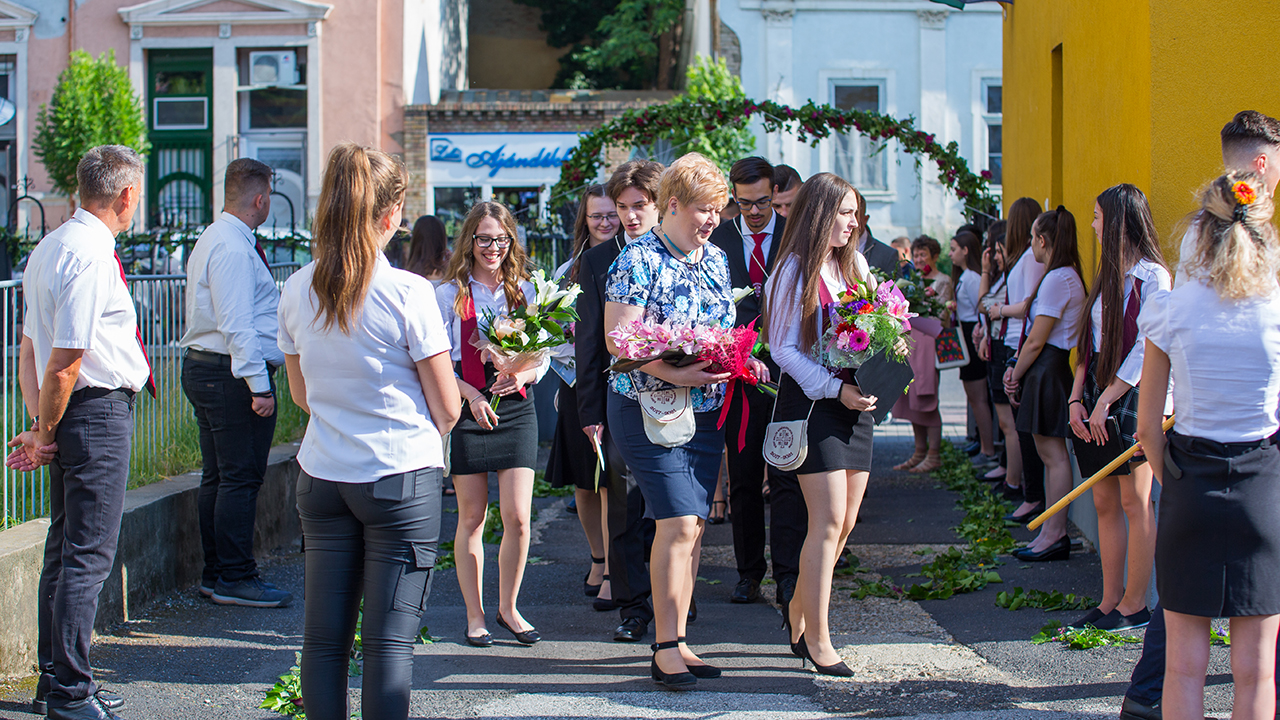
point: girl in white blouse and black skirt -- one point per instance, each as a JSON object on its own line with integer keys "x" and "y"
{"x": 1218, "y": 536}
{"x": 488, "y": 272}
{"x": 816, "y": 264}
{"x": 1041, "y": 380}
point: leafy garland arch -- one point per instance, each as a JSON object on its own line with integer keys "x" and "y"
{"x": 811, "y": 123}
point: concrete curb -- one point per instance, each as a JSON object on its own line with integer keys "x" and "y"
{"x": 159, "y": 552}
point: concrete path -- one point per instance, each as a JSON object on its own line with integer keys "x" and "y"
{"x": 958, "y": 659}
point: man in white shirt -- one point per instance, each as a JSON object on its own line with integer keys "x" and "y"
{"x": 231, "y": 356}
{"x": 80, "y": 365}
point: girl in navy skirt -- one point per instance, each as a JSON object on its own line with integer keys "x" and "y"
{"x": 1131, "y": 269}
{"x": 1041, "y": 380}
{"x": 1218, "y": 538}
{"x": 488, "y": 273}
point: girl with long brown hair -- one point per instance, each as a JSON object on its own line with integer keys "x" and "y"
{"x": 488, "y": 275}
{"x": 1131, "y": 269}
{"x": 428, "y": 249}
{"x": 1043, "y": 367}
{"x": 368, "y": 359}
{"x": 816, "y": 263}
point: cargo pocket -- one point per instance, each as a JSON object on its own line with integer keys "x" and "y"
{"x": 414, "y": 584}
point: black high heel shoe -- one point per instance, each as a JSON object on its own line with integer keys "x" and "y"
{"x": 796, "y": 647}
{"x": 675, "y": 681}
{"x": 603, "y": 604}
{"x": 528, "y": 637}
{"x": 587, "y": 588}
{"x": 702, "y": 672}
{"x": 839, "y": 669}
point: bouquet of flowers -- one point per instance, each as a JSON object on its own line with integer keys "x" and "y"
{"x": 524, "y": 337}
{"x": 640, "y": 342}
{"x": 916, "y": 289}
{"x": 863, "y": 323}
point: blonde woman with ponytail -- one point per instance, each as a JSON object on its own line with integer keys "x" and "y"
{"x": 1218, "y": 537}
{"x": 368, "y": 359}
{"x": 488, "y": 274}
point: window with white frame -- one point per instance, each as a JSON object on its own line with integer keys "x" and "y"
{"x": 992, "y": 113}
{"x": 862, "y": 161}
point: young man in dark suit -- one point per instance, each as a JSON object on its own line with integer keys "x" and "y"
{"x": 879, "y": 255}
{"x": 633, "y": 189}
{"x": 751, "y": 241}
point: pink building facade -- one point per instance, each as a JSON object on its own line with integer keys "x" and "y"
{"x": 278, "y": 80}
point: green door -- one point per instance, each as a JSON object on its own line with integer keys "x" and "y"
{"x": 179, "y": 107}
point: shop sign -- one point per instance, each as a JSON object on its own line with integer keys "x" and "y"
{"x": 488, "y": 157}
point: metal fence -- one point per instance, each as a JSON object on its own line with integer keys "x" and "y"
{"x": 166, "y": 440}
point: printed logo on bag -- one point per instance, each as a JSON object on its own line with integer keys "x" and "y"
{"x": 783, "y": 438}
{"x": 664, "y": 405}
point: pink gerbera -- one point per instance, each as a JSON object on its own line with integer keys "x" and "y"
{"x": 858, "y": 340}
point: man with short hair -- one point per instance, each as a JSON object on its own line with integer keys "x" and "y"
{"x": 786, "y": 184}
{"x": 80, "y": 365}
{"x": 751, "y": 244}
{"x": 227, "y": 374}
{"x": 1250, "y": 143}
{"x": 634, "y": 190}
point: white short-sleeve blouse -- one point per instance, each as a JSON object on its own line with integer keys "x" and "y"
{"x": 1061, "y": 296}
{"x": 1023, "y": 276}
{"x": 1224, "y": 358}
{"x": 967, "y": 296}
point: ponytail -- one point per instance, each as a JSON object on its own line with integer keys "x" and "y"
{"x": 1059, "y": 228}
{"x": 360, "y": 186}
{"x": 1235, "y": 244}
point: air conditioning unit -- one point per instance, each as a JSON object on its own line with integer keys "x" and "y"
{"x": 274, "y": 67}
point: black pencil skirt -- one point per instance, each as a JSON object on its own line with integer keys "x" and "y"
{"x": 839, "y": 438}
{"x": 1218, "y": 538}
{"x": 512, "y": 444}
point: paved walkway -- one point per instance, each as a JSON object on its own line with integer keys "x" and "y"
{"x": 959, "y": 658}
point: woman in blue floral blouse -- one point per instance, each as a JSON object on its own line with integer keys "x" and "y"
{"x": 664, "y": 417}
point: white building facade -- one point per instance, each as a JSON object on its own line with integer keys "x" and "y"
{"x": 898, "y": 57}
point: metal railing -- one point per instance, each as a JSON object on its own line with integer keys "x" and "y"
{"x": 166, "y": 439}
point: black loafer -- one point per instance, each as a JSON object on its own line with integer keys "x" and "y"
{"x": 631, "y": 630}
{"x": 746, "y": 591}
{"x": 1027, "y": 516}
{"x": 485, "y": 640}
{"x": 1060, "y": 550}
{"x": 528, "y": 637}
{"x": 1134, "y": 710}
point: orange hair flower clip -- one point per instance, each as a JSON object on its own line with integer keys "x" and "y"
{"x": 1244, "y": 192}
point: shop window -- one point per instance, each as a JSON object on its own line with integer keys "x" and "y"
{"x": 452, "y": 205}
{"x": 859, "y": 159}
{"x": 992, "y": 115}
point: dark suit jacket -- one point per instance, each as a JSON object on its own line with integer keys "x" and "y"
{"x": 591, "y": 355}
{"x": 882, "y": 256}
{"x": 728, "y": 237}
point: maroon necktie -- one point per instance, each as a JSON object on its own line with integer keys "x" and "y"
{"x": 755, "y": 269}
{"x": 151, "y": 381}
{"x": 472, "y": 368}
{"x": 1129, "y": 333}
{"x": 262, "y": 254}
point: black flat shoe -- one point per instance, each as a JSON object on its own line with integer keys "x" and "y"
{"x": 1090, "y": 618}
{"x": 675, "y": 681}
{"x": 528, "y": 637}
{"x": 703, "y": 671}
{"x": 587, "y": 588}
{"x": 1027, "y": 516}
{"x": 1059, "y": 550}
{"x": 1009, "y": 492}
{"x": 485, "y": 640}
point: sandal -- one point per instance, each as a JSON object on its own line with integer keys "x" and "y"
{"x": 587, "y": 588}
{"x": 914, "y": 460}
{"x": 717, "y": 519}
{"x": 931, "y": 463}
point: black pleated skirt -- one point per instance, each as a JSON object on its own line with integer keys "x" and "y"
{"x": 1046, "y": 388}
{"x": 839, "y": 438}
{"x": 572, "y": 462}
{"x": 977, "y": 367}
{"x": 1218, "y": 538}
{"x": 995, "y": 372}
{"x": 513, "y": 444}
{"x": 1125, "y": 412}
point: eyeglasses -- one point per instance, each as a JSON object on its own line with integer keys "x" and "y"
{"x": 597, "y": 218}
{"x": 484, "y": 242}
{"x": 762, "y": 203}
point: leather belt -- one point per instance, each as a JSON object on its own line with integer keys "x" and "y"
{"x": 209, "y": 358}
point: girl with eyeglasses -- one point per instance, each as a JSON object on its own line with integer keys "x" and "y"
{"x": 489, "y": 273}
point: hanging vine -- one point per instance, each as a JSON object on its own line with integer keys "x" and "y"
{"x": 810, "y": 123}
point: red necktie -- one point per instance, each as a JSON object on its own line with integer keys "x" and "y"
{"x": 472, "y": 368}
{"x": 151, "y": 381}
{"x": 755, "y": 269}
{"x": 262, "y": 254}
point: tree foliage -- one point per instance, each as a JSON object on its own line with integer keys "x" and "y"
{"x": 709, "y": 80}
{"x": 93, "y": 104}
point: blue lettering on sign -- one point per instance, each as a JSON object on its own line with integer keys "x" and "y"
{"x": 443, "y": 150}
{"x": 496, "y": 160}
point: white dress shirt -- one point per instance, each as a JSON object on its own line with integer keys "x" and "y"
{"x": 749, "y": 245}
{"x": 1023, "y": 277}
{"x": 1061, "y": 296}
{"x": 231, "y": 301}
{"x": 784, "y": 326}
{"x": 76, "y": 300}
{"x": 369, "y": 415}
{"x": 1224, "y": 358}
{"x": 1185, "y": 251}
{"x": 1154, "y": 278}
{"x": 967, "y": 296}
{"x": 485, "y": 300}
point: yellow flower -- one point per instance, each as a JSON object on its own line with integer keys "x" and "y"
{"x": 1244, "y": 192}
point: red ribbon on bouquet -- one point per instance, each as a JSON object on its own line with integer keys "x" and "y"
{"x": 733, "y": 359}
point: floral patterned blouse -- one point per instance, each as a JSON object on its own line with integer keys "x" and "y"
{"x": 676, "y": 292}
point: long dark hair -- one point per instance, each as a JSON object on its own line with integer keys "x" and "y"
{"x": 1017, "y": 236}
{"x": 807, "y": 236}
{"x": 428, "y": 248}
{"x": 581, "y": 233}
{"x": 972, "y": 255}
{"x": 1059, "y": 228}
{"x": 1128, "y": 235}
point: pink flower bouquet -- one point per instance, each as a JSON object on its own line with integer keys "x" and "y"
{"x": 864, "y": 323}
{"x": 640, "y": 343}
